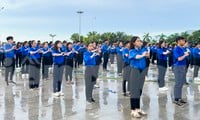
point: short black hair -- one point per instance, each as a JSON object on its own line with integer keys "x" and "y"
{"x": 9, "y": 38}
{"x": 179, "y": 38}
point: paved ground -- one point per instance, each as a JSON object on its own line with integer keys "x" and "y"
{"x": 19, "y": 103}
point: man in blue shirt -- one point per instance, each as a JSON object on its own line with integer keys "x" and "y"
{"x": 9, "y": 61}
{"x": 180, "y": 57}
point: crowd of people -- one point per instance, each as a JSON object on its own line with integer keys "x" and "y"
{"x": 133, "y": 60}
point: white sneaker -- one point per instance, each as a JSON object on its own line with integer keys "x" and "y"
{"x": 96, "y": 86}
{"x": 56, "y": 94}
{"x": 26, "y": 75}
{"x": 61, "y": 93}
{"x": 23, "y": 76}
{"x": 135, "y": 114}
{"x": 163, "y": 89}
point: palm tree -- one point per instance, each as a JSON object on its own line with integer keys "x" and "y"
{"x": 161, "y": 36}
{"x": 147, "y": 37}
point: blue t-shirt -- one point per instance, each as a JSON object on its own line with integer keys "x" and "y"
{"x": 58, "y": 60}
{"x": 160, "y": 54}
{"x": 88, "y": 60}
{"x": 48, "y": 54}
{"x": 119, "y": 50}
{"x": 125, "y": 58}
{"x": 178, "y": 52}
{"x": 25, "y": 50}
{"x": 112, "y": 50}
{"x": 137, "y": 63}
{"x": 71, "y": 56}
{"x": 10, "y": 54}
{"x": 105, "y": 48}
{"x": 36, "y": 55}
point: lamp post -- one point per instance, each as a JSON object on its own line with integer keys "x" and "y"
{"x": 52, "y": 36}
{"x": 80, "y": 12}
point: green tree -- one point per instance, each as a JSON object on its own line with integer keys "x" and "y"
{"x": 161, "y": 37}
{"x": 147, "y": 37}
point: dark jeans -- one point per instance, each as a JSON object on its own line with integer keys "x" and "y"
{"x": 105, "y": 60}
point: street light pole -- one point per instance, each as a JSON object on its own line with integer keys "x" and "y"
{"x": 80, "y": 12}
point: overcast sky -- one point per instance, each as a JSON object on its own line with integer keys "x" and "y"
{"x": 36, "y": 19}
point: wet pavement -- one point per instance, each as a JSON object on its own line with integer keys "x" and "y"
{"x": 17, "y": 102}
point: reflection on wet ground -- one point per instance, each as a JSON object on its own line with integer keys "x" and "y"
{"x": 20, "y": 103}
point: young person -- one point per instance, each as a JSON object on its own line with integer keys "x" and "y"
{"x": 70, "y": 54}
{"x": 120, "y": 63}
{"x": 196, "y": 59}
{"x": 105, "y": 53}
{"x": 25, "y": 59}
{"x": 9, "y": 61}
{"x": 180, "y": 57}
{"x": 34, "y": 66}
{"x": 58, "y": 68}
{"x": 137, "y": 57}
{"x": 162, "y": 55}
{"x": 126, "y": 68}
{"x": 90, "y": 75}
{"x": 46, "y": 61}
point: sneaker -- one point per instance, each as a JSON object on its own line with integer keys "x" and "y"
{"x": 178, "y": 103}
{"x": 183, "y": 101}
{"x": 61, "y": 93}
{"x": 56, "y": 94}
{"x": 163, "y": 89}
{"x": 72, "y": 82}
{"x": 96, "y": 86}
{"x": 23, "y": 76}
{"x": 26, "y": 75}
{"x": 135, "y": 114}
{"x": 92, "y": 100}
{"x": 141, "y": 112}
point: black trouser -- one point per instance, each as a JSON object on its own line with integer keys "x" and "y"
{"x": 25, "y": 64}
{"x": 105, "y": 60}
{"x": 68, "y": 69}
{"x": 9, "y": 64}
{"x": 1, "y": 59}
{"x": 34, "y": 73}
{"x": 78, "y": 60}
{"x": 126, "y": 77}
{"x": 154, "y": 55}
{"x": 46, "y": 63}
{"x": 137, "y": 78}
{"x": 18, "y": 60}
{"x": 196, "y": 66}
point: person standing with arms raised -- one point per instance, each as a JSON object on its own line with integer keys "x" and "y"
{"x": 137, "y": 58}
{"x": 9, "y": 61}
{"x": 180, "y": 57}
